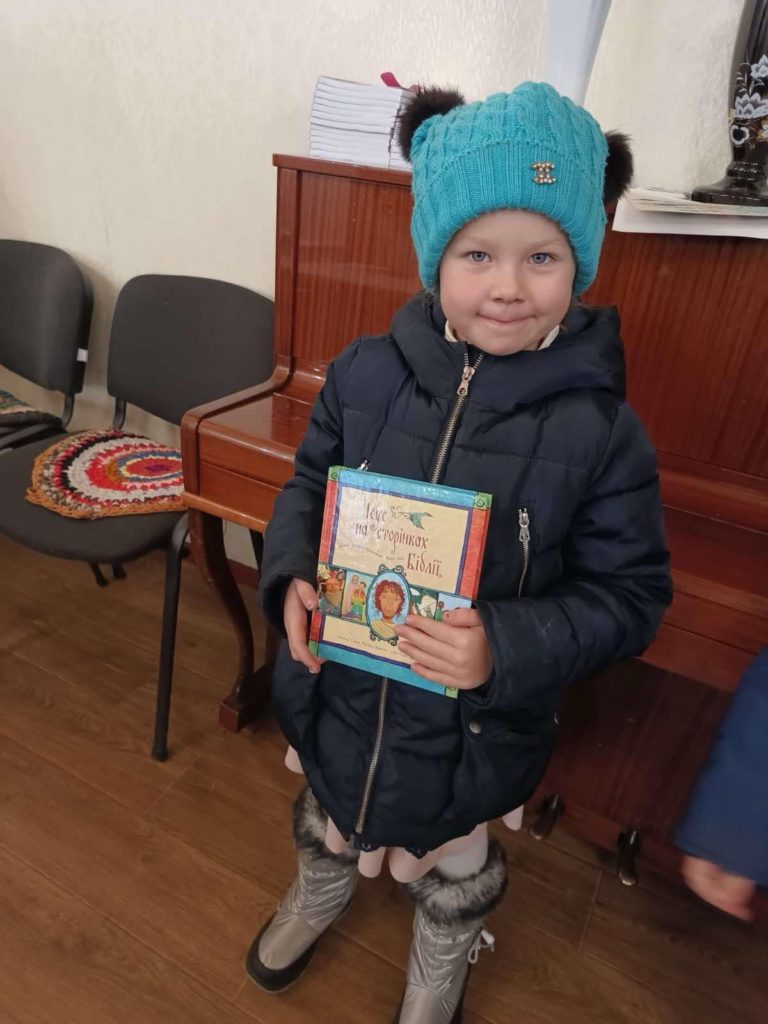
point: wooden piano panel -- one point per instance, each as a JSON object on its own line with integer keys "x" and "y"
{"x": 743, "y": 439}
{"x": 354, "y": 263}
{"x": 227, "y": 494}
{"x": 246, "y": 456}
{"x": 694, "y": 312}
{"x": 273, "y": 426}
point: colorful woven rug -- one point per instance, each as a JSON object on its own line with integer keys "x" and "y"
{"x": 15, "y": 413}
{"x": 107, "y": 473}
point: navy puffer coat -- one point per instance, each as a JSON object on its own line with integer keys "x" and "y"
{"x": 548, "y": 432}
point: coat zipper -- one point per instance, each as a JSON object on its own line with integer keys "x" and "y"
{"x": 443, "y": 448}
{"x": 524, "y": 536}
{"x": 359, "y": 824}
{"x": 449, "y": 430}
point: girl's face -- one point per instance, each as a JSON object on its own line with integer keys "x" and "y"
{"x": 506, "y": 280}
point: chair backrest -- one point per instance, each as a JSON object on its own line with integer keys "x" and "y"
{"x": 179, "y": 342}
{"x": 45, "y": 315}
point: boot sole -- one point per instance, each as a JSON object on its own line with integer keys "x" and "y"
{"x": 270, "y": 980}
{"x": 276, "y": 981}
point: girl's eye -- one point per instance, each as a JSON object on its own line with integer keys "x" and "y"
{"x": 540, "y": 259}
{"x": 478, "y": 256}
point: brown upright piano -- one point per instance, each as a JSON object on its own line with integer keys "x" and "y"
{"x": 694, "y": 313}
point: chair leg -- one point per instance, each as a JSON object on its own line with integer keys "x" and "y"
{"x": 257, "y": 540}
{"x": 98, "y": 575}
{"x": 168, "y": 640}
{"x": 118, "y": 572}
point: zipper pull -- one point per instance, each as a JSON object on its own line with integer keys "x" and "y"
{"x": 466, "y": 376}
{"x": 524, "y": 522}
{"x": 363, "y": 466}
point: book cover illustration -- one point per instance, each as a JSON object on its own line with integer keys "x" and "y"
{"x": 391, "y": 547}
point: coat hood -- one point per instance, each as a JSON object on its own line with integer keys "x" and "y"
{"x": 587, "y": 354}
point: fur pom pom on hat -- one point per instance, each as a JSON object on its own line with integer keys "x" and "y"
{"x": 530, "y": 149}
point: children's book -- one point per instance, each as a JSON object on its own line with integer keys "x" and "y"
{"x": 391, "y": 547}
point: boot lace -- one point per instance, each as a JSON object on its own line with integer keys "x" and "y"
{"x": 483, "y": 940}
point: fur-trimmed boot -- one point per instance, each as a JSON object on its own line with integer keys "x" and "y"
{"x": 319, "y": 894}
{"x": 448, "y": 935}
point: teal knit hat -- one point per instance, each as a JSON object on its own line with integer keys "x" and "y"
{"x": 530, "y": 149}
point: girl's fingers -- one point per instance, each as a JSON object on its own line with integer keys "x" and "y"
{"x": 421, "y": 642}
{"x": 437, "y": 630}
{"x": 297, "y": 626}
{"x": 429, "y": 661}
{"x": 463, "y": 617}
{"x": 443, "y": 678}
{"x": 300, "y": 652}
{"x": 306, "y": 593}
{"x": 303, "y": 654}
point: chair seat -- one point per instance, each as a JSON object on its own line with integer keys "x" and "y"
{"x": 108, "y": 540}
{"x": 6, "y": 429}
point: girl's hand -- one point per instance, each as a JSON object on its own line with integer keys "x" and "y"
{"x": 300, "y": 598}
{"x": 454, "y": 652}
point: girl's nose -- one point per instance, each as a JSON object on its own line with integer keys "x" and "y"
{"x": 506, "y": 286}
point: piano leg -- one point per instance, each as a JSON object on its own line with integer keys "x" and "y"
{"x": 250, "y": 693}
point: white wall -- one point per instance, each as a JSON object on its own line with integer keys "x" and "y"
{"x": 662, "y": 73}
{"x": 138, "y": 134}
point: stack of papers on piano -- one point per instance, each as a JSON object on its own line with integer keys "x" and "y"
{"x": 659, "y": 200}
{"x": 645, "y": 210}
{"x": 356, "y": 123}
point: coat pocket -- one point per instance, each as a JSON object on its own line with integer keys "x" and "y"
{"x": 516, "y": 728}
{"x": 499, "y": 769}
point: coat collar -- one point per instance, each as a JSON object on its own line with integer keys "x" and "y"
{"x": 587, "y": 354}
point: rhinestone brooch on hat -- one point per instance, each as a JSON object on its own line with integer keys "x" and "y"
{"x": 543, "y": 175}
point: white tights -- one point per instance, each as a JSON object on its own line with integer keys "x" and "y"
{"x": 466, "y": 862}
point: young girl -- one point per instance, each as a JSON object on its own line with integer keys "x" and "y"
{"x": 497, "y": 381}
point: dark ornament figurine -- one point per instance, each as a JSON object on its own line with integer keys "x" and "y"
{"x": 745, "y": 181}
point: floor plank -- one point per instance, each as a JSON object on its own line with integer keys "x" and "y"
{"x": 188, "y": 908}
{"x": 93, "y": 972}
{"x": 130, "y": 608}
{"x": 131, "y": 890}
{"x": 97, "y": 660}
{"x": 248, "y": 828}
{"x": 539, "y": 979}
{"x": 547, "y": 887}
{"x": 706, "y": 962}
{"x": 247, "y": 824}
{"x": 105, "y": 745}
{"x": 349, "y": 985}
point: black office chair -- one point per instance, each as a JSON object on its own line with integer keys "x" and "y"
{"x": 176, "y": 343}
{"x": 45, "y": 319}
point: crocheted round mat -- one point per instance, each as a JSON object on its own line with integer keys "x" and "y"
{"x": 107, "y": 473}
{"x": 16, "y": 413}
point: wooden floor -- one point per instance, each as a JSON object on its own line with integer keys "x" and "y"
{"x": 129, "y": 890}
